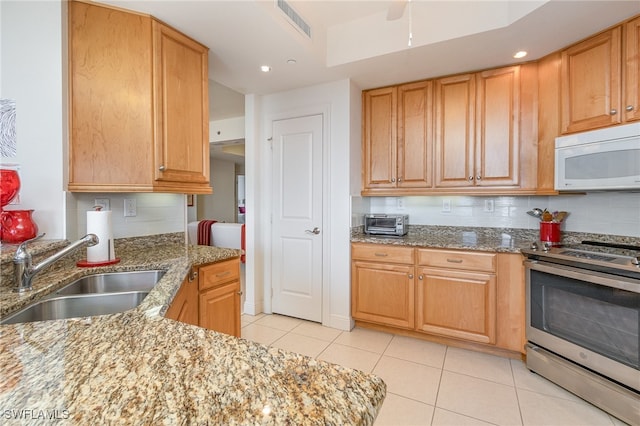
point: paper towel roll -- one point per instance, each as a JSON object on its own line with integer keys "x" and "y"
{"x": 99, "y": 223}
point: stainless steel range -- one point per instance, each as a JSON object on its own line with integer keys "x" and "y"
{"x": 583, "y": 321}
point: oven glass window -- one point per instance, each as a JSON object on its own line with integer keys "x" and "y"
{"x": 602, "y": 319}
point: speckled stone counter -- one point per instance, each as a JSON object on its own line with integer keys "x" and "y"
{"x": 138, "y": 367}
{"x": 504, "y": 240}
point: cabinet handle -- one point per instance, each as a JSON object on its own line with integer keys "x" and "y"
{"x": 223, "y": 274}
{"x": 470, "y": 177}
{"x": 629, "y": 108}
{"x": 420, "y": 277}
{"x": 613, "y": 112}
{"x": 399, "y": 180}
{"x": 393, "y": 179}
{"x": 240, "y": 293}
{"x": 192, "y": 275}
{"x": 454, "y": 260}
{"x": 478, "y": 177}
{"x": 381, "y": 254}
{"x": 162, "y": 168}
{"x": 410, "y": 276}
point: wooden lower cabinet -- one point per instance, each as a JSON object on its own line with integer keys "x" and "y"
{"x": 184, "y": 306}
{"x": 457, "y": 304}
{"x": 213, "y": 300}
{"x": 472, "y": 298}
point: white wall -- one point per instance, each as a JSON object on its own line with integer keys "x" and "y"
{"x": 31, "y": 52}
{"x": 221, "y": 205}
{"x": 336, "y": 100}
{"x": 613, "y": 213}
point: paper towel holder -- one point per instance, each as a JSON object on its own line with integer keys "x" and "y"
{"x": 84, "y": 263}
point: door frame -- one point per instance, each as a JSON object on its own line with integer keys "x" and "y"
{"x": 324, "y": 111}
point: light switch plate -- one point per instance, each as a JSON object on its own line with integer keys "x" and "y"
{"x": 102, "y": 202}
{"x": 130, "y": 208}
{"x": 446, "y": 206}
{"x": 489, "y": 206}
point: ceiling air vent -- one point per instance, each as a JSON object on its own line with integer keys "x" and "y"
{"x": 294, "y": 18}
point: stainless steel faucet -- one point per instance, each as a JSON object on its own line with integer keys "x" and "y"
{"x": 24, "y": 270}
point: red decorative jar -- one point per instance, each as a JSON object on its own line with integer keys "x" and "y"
{"x": 9, "y": 186}
{"x": 17, "y": 226}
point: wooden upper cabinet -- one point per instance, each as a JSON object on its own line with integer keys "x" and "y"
{"x": 497, "y": 153}
{"x": 379, "y": 141}
{"x": 181, "y": 85}
{"x": 415, "y": 127}
{"x": 454, "y": 130}
{"x": 591, "y": 83}
{"x": 138, "y": 98}
{"x": 632, "y": 70}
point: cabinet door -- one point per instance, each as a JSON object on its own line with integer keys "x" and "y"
{"x": 632, "y": 70}
{"x": 220, "y": 308}
{"x": 454, "y": 139}
{"x": 379, "y": 141}
{"x": 457, "y": 304}
{"x": 497, "y": 159}
{"x": 591, "y": 83}
{"x": 182, "y": 101}
{"x": 110, "y": 97}
{"x": 383, "y": 293}
{"x": 415, "y": 135}
{"x": 184, "y": 306}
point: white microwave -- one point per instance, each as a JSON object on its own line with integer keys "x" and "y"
{"x": 605, "y": 159}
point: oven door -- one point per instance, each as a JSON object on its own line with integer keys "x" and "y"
{"x": 590, "y": 318}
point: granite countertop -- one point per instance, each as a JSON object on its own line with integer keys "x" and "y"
{"x": 138, "y": 367}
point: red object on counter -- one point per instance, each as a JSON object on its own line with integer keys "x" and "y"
{"x": 17, "y": 226}
{"x": 550, "y": 231}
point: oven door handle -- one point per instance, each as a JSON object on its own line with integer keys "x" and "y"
{"x": 595, "y": 277}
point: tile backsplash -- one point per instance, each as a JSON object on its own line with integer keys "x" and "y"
{"x": 614, "y": 213}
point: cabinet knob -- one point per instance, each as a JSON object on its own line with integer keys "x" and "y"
{"x": 399, "y": 180}
{"x": 162, "y": 168}
{"x": 613, "y": 112}
{"x": 193, "y": 275}
{"x": 420, "y": 277}
{"x": 478, "y": 177}
{"x": 393, "y": 179}
{"x": 410, "y": 276}
{"x": 629, "y": 108}
{"x": 470, "y": 177}
{"x": 240, "y": 293}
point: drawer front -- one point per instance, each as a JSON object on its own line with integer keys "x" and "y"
{"x": 218, "y": 273}
{"x": 457, "y": 260}
{"x": 383, "y": 253}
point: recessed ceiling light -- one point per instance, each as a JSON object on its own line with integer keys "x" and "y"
{"x": 265, "y": 68}
{"x": 520, "y": 54}
{"x": 291, "y": 61}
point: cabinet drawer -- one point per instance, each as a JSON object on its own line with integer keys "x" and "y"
{"x": 383, "y": 253}
{"x": 457, "y": 260}
{"x": 218, "y": 273}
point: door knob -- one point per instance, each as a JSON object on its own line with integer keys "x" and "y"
{"x": 315, "y": 231}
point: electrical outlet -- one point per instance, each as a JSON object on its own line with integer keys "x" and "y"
{"x": 130, "y": 208}
{"x": 446, "y": 206}
{"x": 103, "y": 203}
{"x": 400, "y": 203}
{"x": 488, "y": 206}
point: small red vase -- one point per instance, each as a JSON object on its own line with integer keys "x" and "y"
{"x": 9, "y": 186}
{"x": 17, "y": 226}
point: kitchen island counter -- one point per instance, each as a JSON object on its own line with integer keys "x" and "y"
{"x": 138, "y": 367}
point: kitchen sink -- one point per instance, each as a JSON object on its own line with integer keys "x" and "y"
{"x": 113, "y": 282}
{"x": 80, "y": 305}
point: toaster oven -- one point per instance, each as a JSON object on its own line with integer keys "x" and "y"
{"x": 395, "y": 225}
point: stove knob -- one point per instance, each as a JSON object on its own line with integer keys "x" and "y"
{"x": 636, "y": 261}
{"x": 534, "y": 246}
{"x": 546, "y": 246}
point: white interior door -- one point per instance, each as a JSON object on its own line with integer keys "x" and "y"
{"x": 296, "y": 236}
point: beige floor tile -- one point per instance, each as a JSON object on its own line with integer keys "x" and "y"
{"x": 447, "y": 418}
{"x": 527, "y": 380}
{"x": 301, "y": 344}
{"x": 347, "y": 356}
{"x": 399, "y": 411}
{"x": 318, "y": 331}
{"x": 261, "y": 334}
{"x": 420, "y": 351}
{"x": 478, "y": 398}
{"x": 362, "y": 338}
{"x": 280, "y": 322}
{"x": 538, "y": 409}
{"x": 409, "y": 379}
{"x": 247, "y": 319}
{"x": 480, "y": 365}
